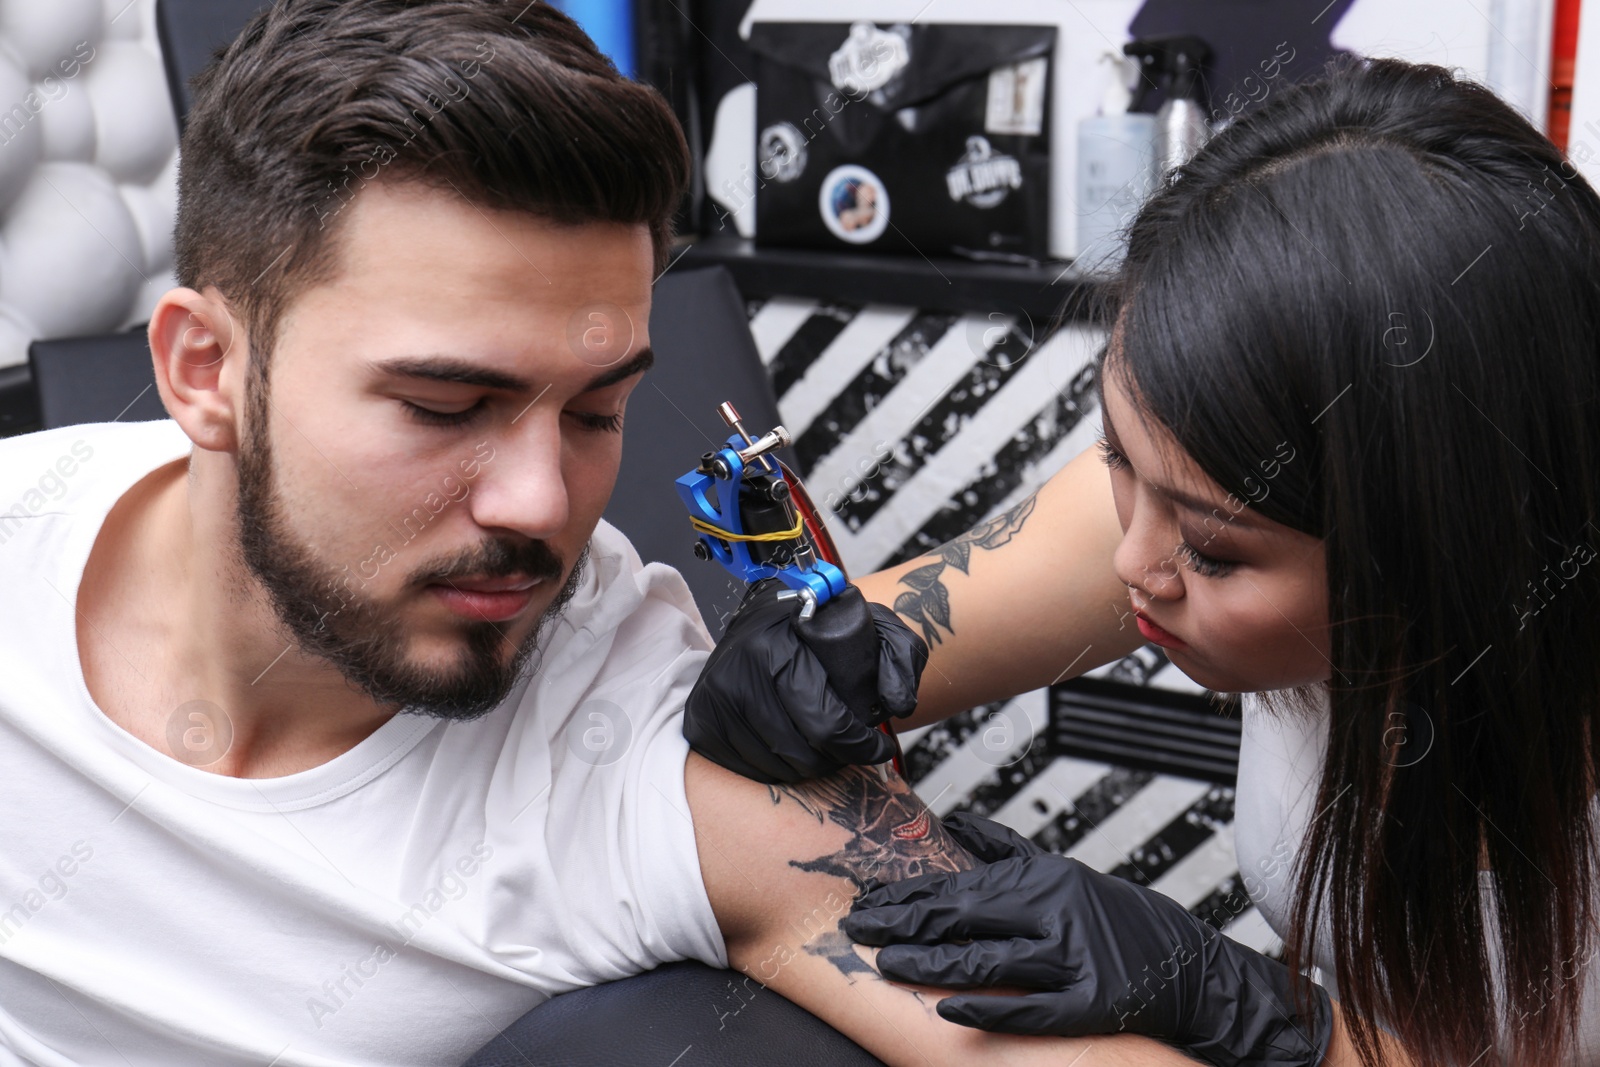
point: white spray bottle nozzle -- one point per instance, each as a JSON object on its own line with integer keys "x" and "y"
{"x": 1119, "y": 91}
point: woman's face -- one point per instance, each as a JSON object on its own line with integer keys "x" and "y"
{"x": 1239, "y": 602}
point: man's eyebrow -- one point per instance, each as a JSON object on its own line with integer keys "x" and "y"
{"x": 457, "y": 371}
{"x": 451, "y": 369}
{"x": 642, "y": 361}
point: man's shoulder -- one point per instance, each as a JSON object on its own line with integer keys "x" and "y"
{"x": 51, "y": 469}
{"x": 638, "y": 599}
{"x": 631, "y": 637}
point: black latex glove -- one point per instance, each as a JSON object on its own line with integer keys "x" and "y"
{"x": 1104, "y": 955}
{"x": 765, "y": 707}
{"x": 987, "y": 840}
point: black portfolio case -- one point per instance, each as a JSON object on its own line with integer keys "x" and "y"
{"x": 931, "y": 139}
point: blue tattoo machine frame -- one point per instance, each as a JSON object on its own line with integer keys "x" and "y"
{"x": 755, "y": 518}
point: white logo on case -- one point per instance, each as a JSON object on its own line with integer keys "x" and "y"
{"x": 868, "y": 59}
{"x": 982, "y": 177}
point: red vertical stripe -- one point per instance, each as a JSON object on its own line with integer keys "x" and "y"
{"x": 1564, "y": 53}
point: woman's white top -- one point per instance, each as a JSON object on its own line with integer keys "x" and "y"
{"x": 1280, "y": 765}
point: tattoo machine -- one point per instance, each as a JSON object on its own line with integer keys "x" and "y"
{"x": 754, "y": 516}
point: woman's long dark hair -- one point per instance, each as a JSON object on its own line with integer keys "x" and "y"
{"x": 1394, "y": 273}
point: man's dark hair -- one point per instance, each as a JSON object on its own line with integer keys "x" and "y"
{"x": 508, "y": 104}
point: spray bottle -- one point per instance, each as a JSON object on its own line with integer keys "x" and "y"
{"x": 1172, "y": 66}
{"x": 1115, "y": 168}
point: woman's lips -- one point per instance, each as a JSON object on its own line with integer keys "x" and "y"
{"x": 1155, "y": 634}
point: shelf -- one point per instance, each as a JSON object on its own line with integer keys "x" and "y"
{"x": 958, "y": 285}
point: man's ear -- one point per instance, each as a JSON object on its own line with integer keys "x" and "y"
{"x": 201, "y": 358}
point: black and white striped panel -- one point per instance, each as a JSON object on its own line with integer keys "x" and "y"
{"x": 910, "y": 428}
{"x": 1170, "y": 832}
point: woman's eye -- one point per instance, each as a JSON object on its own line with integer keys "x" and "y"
{"x": 1201, "y": 563}
{"x": 1113, "y": 459}
{"x": 430, "y": 417}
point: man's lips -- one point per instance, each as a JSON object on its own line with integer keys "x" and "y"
{"x": 486, "y": 599}
{"x": 491, "y": 585}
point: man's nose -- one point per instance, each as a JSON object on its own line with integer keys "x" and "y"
{"x": 523, "y": 487}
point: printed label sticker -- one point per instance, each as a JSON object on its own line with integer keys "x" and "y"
{"x": 782, "y": 151}
{"x": 854, "y": 204}
{"x": 1016, "y": 98}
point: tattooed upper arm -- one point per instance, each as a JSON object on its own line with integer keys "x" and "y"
{"x": 928, "y": 602}
{"x": 829, "y": 839}
{"x": 891, "y": 836}
{"x": 782, "y": 865}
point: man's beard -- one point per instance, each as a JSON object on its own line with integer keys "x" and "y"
{"x": 357, "y": 635}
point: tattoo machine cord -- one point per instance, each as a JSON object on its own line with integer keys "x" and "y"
{"x": 752, "y": 514}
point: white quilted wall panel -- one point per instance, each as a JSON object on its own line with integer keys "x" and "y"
{"x": 88, "y": 169}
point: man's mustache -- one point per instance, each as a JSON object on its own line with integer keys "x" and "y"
{"x": 498, "y": 558}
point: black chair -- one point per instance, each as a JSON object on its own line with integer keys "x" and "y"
{"x": 190, "y": 32}
{"x": 685, "y": 1014}
{"x": 95, "y": 379}
{"x": 19, "y": 404}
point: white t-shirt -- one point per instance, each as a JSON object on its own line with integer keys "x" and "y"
{"x": 399, "y": 904}
{"x": 1280, "y": 766}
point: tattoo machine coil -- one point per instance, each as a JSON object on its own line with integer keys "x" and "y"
{"x": 754, "y": 516}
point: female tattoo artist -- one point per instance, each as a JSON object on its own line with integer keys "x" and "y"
{"x": 1350, "y": 414}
